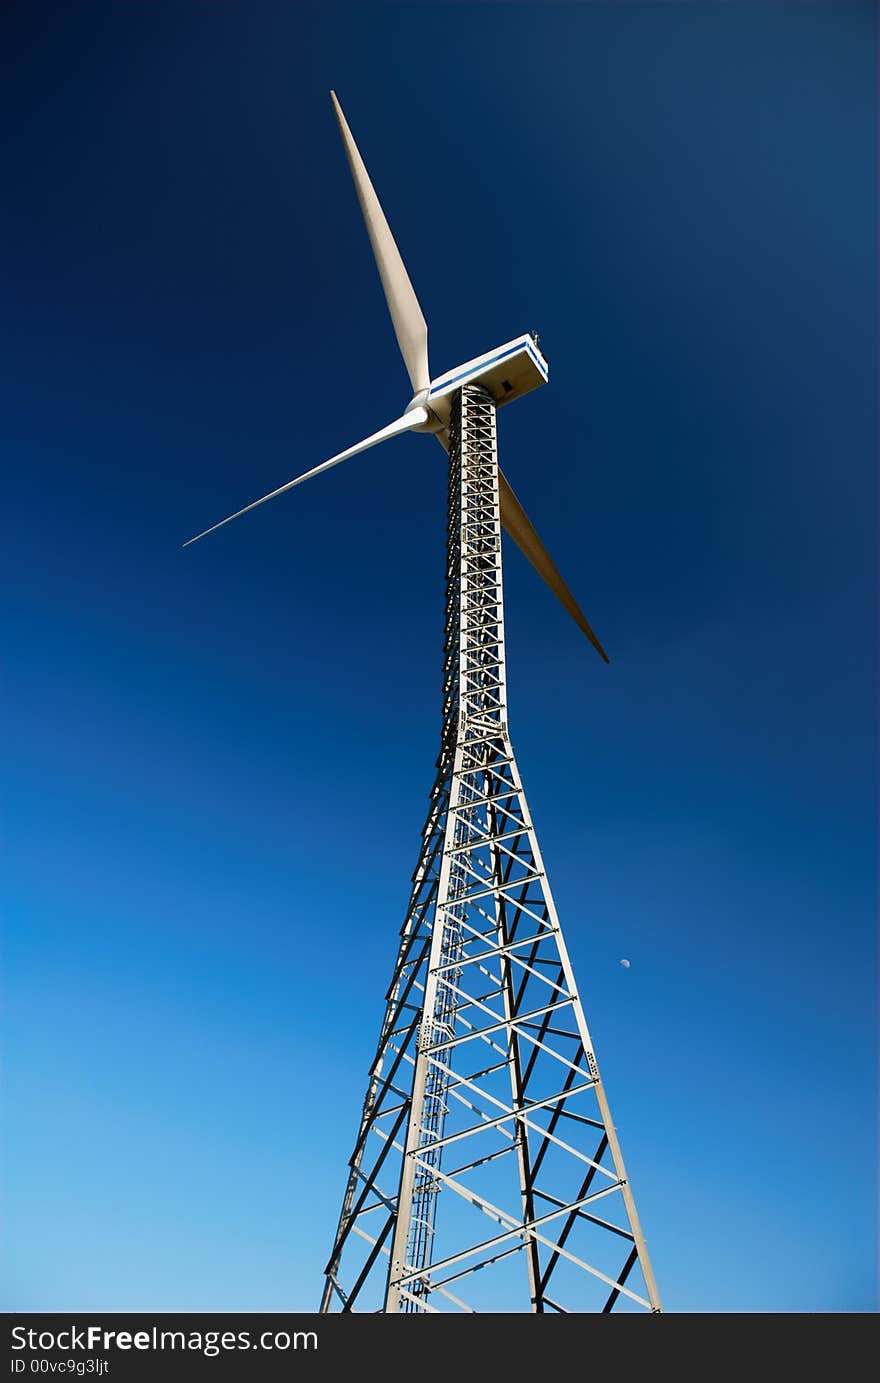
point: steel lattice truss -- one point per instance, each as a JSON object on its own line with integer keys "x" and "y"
{"x": 487, "y": 1174}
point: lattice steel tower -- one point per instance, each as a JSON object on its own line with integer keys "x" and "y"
{"x": 487, "y": 1174}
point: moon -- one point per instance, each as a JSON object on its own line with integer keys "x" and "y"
{"x": 625, "y": 963}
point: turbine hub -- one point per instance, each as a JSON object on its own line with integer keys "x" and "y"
{"x": 420, "y": 400}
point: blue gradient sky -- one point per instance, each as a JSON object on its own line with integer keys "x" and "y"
{"x": 217, "y": 761}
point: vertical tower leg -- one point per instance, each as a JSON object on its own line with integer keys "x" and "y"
{"x": 486, "y": 1142}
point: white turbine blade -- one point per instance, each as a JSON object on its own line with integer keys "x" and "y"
{"x": 517, "y": 524}
{"x": 411, "y": 419}
{"x": 409, "y": 323}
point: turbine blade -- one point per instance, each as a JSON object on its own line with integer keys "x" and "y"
{"x": 517, "y": 524}
{"x": 409, "y": 324}
{"x": 411, "y": 419}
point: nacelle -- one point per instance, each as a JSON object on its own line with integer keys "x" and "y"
{"x": 507, "y": 372}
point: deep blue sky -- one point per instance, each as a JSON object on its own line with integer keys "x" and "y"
{"x": 216, "y": 761}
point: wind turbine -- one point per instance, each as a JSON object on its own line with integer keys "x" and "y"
{"x": 484, "y": 1058}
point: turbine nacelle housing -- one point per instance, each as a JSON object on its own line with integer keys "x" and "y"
{"x": 506, "y": 373}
